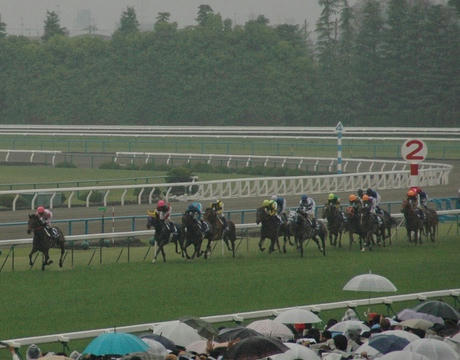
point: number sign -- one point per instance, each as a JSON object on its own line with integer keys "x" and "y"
{"x": 414, "y": 150}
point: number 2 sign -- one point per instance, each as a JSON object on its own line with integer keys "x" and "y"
{"x": 414, "y": 150}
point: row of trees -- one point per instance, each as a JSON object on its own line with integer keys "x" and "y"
{"x": 376, "y": 63}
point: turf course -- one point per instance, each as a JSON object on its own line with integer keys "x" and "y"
{"x": 97, "y": 296}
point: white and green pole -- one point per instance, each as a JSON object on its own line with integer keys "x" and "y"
{"x": 338, "y": 130}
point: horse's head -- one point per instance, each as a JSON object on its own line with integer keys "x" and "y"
{"x": 210, "y": 215}
{"x": 260, "y": 213}
{"x": 33, "y": 223}
{"x": 152, "y": 219}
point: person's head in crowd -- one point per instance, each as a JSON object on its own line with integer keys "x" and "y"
{"x": 313, "y": 334}
{"x": 353, "y": 333}
{"x": 330, "y": 323}
{"x": 33, "y": 352}
{"x": 325, "y": 335}
{"x": 385, "y": 324}
{"x": 340, "y": 342}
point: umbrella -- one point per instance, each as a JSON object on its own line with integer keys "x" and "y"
{"x": 115, "y": 344}
{"x": 296, "y": 352}
{"x": 147, "y": 355}
{"x": 201, "y": 346}
{"x": 388, "y": 343}
{"x": 239, "y": 332}
{"x": 401, "y": 333}
{"x": 407, "y": 314}
{"x": 417, "y": 324}
{"x": 272, "y": 328}
{"x": 343, "y": 326}
{"x": 203, "y": 328}
{"x": 369, "y": 350}
{"x": 255, "y": 347}
{"x": 54, "y": 357}
{"x": 370, "y": 283}
{"x": 438, "y": 308}
{"x": 168, "y": 344}
{"x": 297, "y": 316}
{"x": 178, "y": 332}
{"x": 156, "y": 349}
{"x": 433, "y": 349}
{"x": 454, "y": 342}
{"x": 403, "y": 355}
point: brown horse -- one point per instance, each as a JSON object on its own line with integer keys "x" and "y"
{"x": 414, "y": 224}
{"x": 192, "y": 235}
{"x": 44, "y": 240}
{"x": 353, "y": 225}
{"x": 335, "y": 224}
{"x": 218, "y": 232}
{"x": 431, "y": 222}
{"x": 270, "y": 229}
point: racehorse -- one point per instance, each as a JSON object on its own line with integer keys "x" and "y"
{"x": 217, "y": 231}
{"x": 302, "y": 230}
{"x": 388, "y": 223}
{"x": 163, "y": 234}
{"x": 370, "y": 227}
{"x": 192, "y": 235}
{"x": 335, "y": 223}
{"x": 317, "y": 232}
{"x": 43, "y": 241}
{"x": 353, "y": 225}
{"x": 414, "y": 224}
{"x": 431, "y": 222}
{"x": 270, "y": 229}
{"x": 285, "y": 230}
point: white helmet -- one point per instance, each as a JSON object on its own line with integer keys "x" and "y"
{"x": 274, "y": 197}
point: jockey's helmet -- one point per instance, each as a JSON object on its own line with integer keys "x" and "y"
{"x": 411, "y": 193}
{"x": 366, "y": 197}
{"x": 161, "y": 203}
{"x": 40, "y": 209}
{"x": 265, "y": 203}
{"x": 360, "y": 193}
{"x": 274, "y": 197}
{"x": 304, "y": 197}
{"x": 352, "y": 197}
{"x": 331, "y": 196}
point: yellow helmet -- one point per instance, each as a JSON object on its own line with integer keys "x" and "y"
{"x": 266, "y": 203}
{"x": 331, "y": 196}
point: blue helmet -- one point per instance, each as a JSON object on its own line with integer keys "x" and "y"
{"x": 369, "y": 192}
{"x": 304, "y": 197}
{"x": 197, "y": 205}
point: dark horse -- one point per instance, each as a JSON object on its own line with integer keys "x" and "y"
{"x": 353, "y": 224}
{"x": 335, "y": 224}
{"x": 42, "y": 241}
{"x": 270, "y": 229}
{"x": 163, "y": 234}
{"x": 192, "y": 235}
{"x": 414, "y": 224}
{"x": 388, "y": 223}
{"x": 430, "y": 223}
{"x": 302, "y": 230}
{"x": 370, "y": 227}
{"x": 217, "y": 231}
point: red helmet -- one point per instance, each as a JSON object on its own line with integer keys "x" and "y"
{"x": 161, "y": 203}
{"x": 40, "y": 209}
{"x": 415, "y": 189}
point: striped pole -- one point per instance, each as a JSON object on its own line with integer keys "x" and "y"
{"x": 339, "y": 129}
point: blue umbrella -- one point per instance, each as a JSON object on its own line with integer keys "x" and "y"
{"x": 388, "y": 343}
{"x": 115, "y": 344}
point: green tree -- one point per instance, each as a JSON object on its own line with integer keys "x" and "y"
{"x": 52, "y": 26}
{"x": 128, "y": 22}
{"x": 2, "y": 28}
{"x": 326, "y": 29}
{"x": 204, "y": 12}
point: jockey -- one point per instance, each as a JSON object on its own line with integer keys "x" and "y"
{"x": 307, "y": 207}
{"x": 334, "y": 200}
{"x": 413, "y": 197}
{"x": 270, "y": 207}
{"x": 218, "y": 207}
{"x": 164, "y": 211}
{"x": 355, "y": 201}
{"x": 370, "y": 201}
{"x": 45, "y": 217}
{"x": 421, "y": 196}
{"x": 195, "y": 208}
{"x": 360, "y": 193}
{"x": 280, "y": 207}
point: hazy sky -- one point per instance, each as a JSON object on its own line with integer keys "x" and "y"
{"x": 26, "y": 16}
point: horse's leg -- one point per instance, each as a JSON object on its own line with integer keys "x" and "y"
{"x": 33, "y": 251}
{"x": 61, "y": 258}
{"x": 261, "y": 242}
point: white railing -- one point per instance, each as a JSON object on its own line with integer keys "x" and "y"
{"x": 430, "y": 174}
{"x": 238, "y": 317}
{"x": 32, "y": 154}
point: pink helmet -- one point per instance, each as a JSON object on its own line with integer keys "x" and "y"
{"x": 161, "y": 203}
{"x": 40, "y": 209}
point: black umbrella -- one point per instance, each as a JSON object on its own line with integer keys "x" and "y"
{"x": 255, "y": 347}
{"x": 438, "y": 308}
{"x": 239, "y": 332}
{"x": 168, "y": 344}
{"x": 203, "y": 328}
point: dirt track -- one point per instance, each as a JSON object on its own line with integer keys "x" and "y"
{"x": 450, "y": 190}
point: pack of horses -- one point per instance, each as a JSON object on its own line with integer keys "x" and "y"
{"x": 355, "y": 221}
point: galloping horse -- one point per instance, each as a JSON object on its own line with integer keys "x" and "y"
{"x": 42, "y": 241}
{"x": 370, "y": 227}
{"x": 414, "y": 224}
{"x": 388, "y": 223}
{"x": 335, "y": 223}
{"x": 353, "y": 225}
{"x": 163, "y": 234}
{"x": 270, "y": 229}
{"x": 192, "y": 235}
{"x": 431, "y": 223}
{"x": 303, "y": 230}
{"x": 315, "y": 232}
{"x": 217, "y": 231}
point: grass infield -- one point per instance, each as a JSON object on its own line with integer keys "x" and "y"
{"x": 114, "y": 294}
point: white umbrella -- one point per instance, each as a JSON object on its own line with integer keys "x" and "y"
{"x": 297, "y": 316}
{"x": 370, "y": 283}
{"x": 454, "y": 342}
{"x": 343, "y": 326}
{"x": 417, "y": 324}
{"x": 272, "y": 328}
{"x": 403, "y": 355}
{"x": 178, "y": 332}
{"x": 200, "y": 346}
{"x": 433, "y": 349}
{"x": 401, "y": 333}
{"x": 156, "y": 348}
{"x": 296, "y": 352}
{"x": 369, "y": 350}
